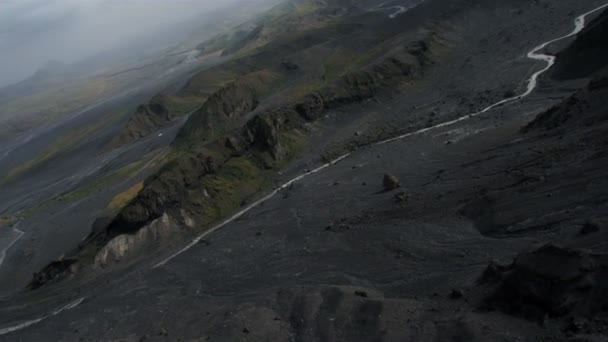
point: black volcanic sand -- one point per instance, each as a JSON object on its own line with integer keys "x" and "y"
{"x": 335, "y": 258}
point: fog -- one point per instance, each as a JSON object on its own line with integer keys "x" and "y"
{"x": 33, "y": 32}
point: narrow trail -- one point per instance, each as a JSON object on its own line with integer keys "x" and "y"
{"x": 398, "y": 9}
{"x": 19, "y": 236}
{"x": 534, "y": 54}
{"x": 26, "y": 324}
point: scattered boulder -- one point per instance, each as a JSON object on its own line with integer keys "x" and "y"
{"x": 311, "y": 107}
{"x": 456, "y": 294}
{"x": 390, "y": 182}
{"x": 551, "y": 281}
{"x": 401, "y": 197}
{"x": 289, "y": 66}
{"x": 360, "y": 293}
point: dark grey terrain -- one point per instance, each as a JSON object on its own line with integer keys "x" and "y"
{"x": 497, "y": 231}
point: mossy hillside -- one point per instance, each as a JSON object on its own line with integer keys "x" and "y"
{"x": 212, "y": 180}
{"x": 224, "y": 109}
{"x": 238, "y": 179}
{"x": 212, "y": 171}
{"x": 122, "y": 199}
{"x": 180, "y": 105}
{"x": 235, "y": 87}
{"x": 266, "y": 142}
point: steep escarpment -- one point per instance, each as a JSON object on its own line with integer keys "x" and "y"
{"x": 220, "y": 165}
{"x": 587, "y": 54}
{"x": 585, "y": 108}
{"x": 159, "y": 112}
{"x": 225, "y": 108}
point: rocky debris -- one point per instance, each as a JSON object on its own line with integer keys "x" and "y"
{"x": 234, "y": 144}
{"x": 220, "y": 112}
{"x": 263, "y": 132}
{"x": 289, "y": 66}
{"x": 551, "y": 281}
{"x": 311, "y": 107}
{"x": 401, "y": 197}
{"x": 456, "y": 294}
{"x": 55, "y": 270}
{"x": 390, "y": 182}
{"x": 360, "y": 293}
{"x": 147, "y": 118}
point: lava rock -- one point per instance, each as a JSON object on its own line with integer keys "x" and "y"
{"x": 390, "y": 182}
{"x": 590, "y": 227}
{"x": 456, "y": 294}
{"x": 362, "y": 294}
{"x": 401, "y": 197}
{"x": 56, "y": 270}
{"x": 551, "y": 281}
{"x": 289, "y": 66}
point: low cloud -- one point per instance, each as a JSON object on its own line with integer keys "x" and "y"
{"x": 33, "y": 32}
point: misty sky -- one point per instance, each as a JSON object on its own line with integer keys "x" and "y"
{"x": 33, "y": 32}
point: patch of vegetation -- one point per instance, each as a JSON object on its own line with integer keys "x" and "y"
{"x": 236, "y": 180}
{"x": 123, "y": 198}
{"x": 208, "y": 82}
{"x": 5, "y": 222}
{"x": 181, "y": 105}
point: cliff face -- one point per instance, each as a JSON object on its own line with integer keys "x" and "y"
{"x": 160, "y": 112}
{"x": 224, "y": 109}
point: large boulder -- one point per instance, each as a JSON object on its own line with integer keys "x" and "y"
{"x": 390, "y": 182}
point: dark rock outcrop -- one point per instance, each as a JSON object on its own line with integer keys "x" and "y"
{"x": 552, "y": 281}
{"x": 585, "y": 108}
{"x": 222, "y": 109}
{"x": 55, "y": 270}
{"x": 146, "y": 119}
{"x": 390, "y": 182}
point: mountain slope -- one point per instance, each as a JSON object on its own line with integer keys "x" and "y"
{"x": 587, "y": 54}
{"x": 494, "y": 233}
